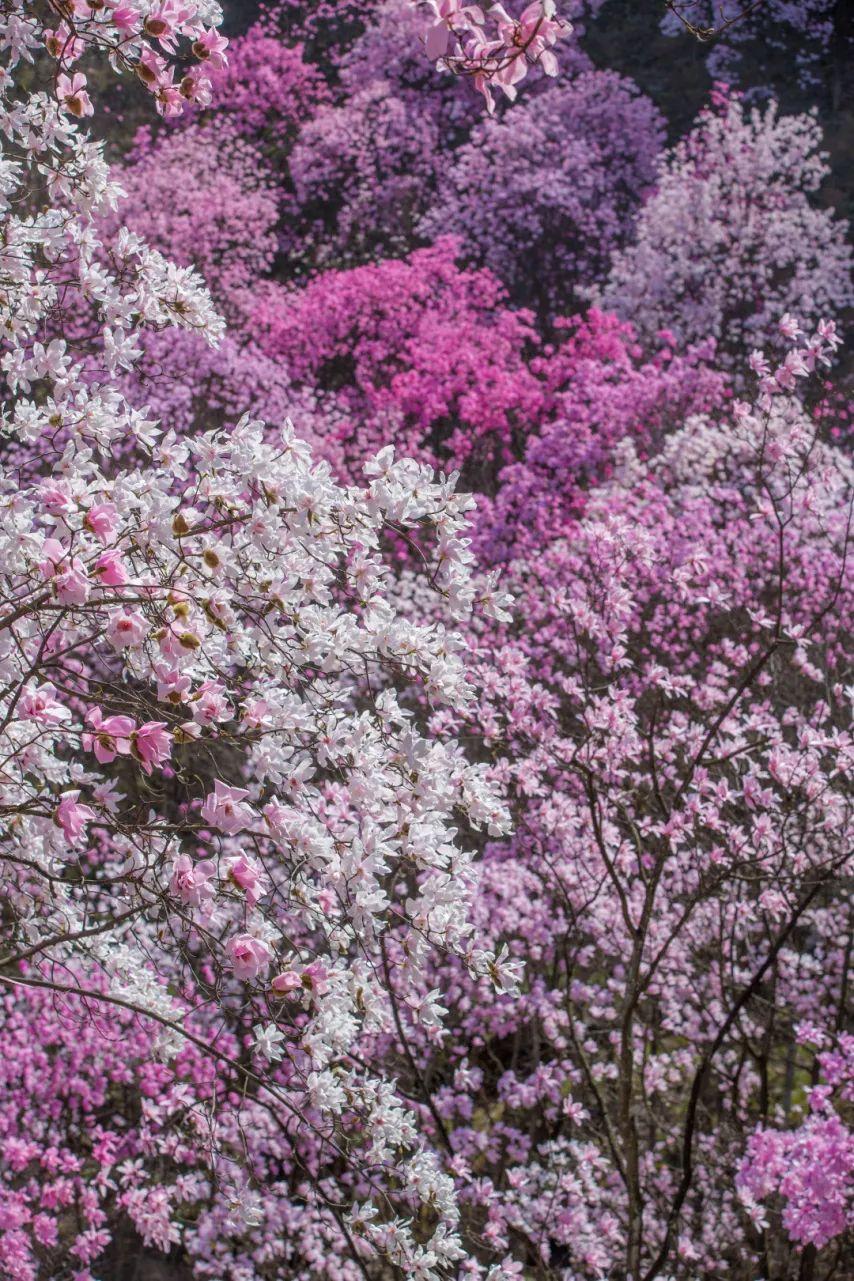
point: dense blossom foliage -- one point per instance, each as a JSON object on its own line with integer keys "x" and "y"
{"x": 205, "y": 194}
{"x": 267, "y": 88}
{"x": 573, "y": 165}
{"x": 96, "y": 1135}
{"x": 730, "y": 242}
{"x": 597, "y": 392}
{"x": 673, "y": 791}
{"x": 424, "y": 695}
{"x": 363, "y": 175}
{"x": 808, "y": 1168}
{"x": 417, "y": 350}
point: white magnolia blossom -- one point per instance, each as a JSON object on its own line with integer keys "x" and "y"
{"x": 216, "y": 801}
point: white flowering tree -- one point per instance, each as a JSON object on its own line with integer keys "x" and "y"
{"x": 214, "y": 806}
{"x": 730, "y": 241}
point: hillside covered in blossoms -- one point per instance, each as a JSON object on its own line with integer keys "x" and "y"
{"x": 425, "y": 640}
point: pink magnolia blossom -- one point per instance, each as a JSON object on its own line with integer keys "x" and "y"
{"x": 125, "y": 18}
{"x": 110, "y": 569}
{"x": 449, "y": 16}
{"x": 248, "y": 956}
{"x": 534, "y": 32}
{"x": 39, "y": 703}
{"x": 67, "y": 573}
{"x": 126, "y": 628}
{"x": 162, "y": 22}
{"x": 62, "y": 43}
{"x": 191, "y": 881}
{"x": 210, "y": 47}
{"x": 72, "y": 817}
{"x": 247, "y": 876}
{"x": 153, "y": 70}
{"x": 110, "y": 736}
{"x": 315, "y": 979}
{"x": 71, "y": 91}
{"x": 224, "y": 809}
{"x": 103, "y": 520}
{"x": 209, "y": 703}
{"x": 56, "y": 497}
{"x": 494, "y": 48}
{"x": 151, "y": 744}
{"x": 173, "y": 685}
{"x": 256, "y": 713}
{"x": 287, "y": 982}
{"x": 196, "y": 87}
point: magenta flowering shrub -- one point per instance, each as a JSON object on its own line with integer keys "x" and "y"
{"x": 546, "y": 194}
{"x": 266, "y": 89}
{"x": 598, "y": 390}
{"x": 99, "y": 1141}
{"x": 418, "y": 350}
{"x": 731, "y": 241}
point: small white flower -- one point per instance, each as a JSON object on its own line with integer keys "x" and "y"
{"x": 268, "y": 1042}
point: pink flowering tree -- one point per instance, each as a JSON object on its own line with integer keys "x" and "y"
{"x": 731, "y": 240}
{"x": 102, "y": 1144}
{"x": 267, "y": 90}
{"x": 668, "y": 710}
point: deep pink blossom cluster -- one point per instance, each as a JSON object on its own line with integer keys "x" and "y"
{"x": 809, "y": 1169}
{"x": 425, "y": 704}
{"x": 97, "y": 1138}
{"x": 417, "y": 350}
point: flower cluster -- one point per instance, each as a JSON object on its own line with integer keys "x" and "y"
{"x": 494, "y": 47}
{"x": 808, "y": 1168}
{"x": 170, "y": 47}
